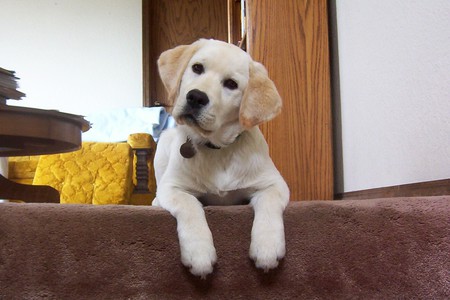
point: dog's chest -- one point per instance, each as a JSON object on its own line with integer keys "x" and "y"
{"x": 223, "y": 172}
{"x": 219, "y": 176}
{"x": 221, "y": 187}
{"x": 235, "y": 197}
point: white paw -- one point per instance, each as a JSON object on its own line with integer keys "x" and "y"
{"x": 199, "y": 257}
{"x": 266, "y": 249}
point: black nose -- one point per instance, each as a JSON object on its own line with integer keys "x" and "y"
{"x": 196, "y": 99}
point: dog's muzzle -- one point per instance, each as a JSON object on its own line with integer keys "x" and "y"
{"x": 192, "y": 113}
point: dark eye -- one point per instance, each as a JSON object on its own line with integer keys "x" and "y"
{"x": 198, "y": 69}
{"x": 230, "y": 84}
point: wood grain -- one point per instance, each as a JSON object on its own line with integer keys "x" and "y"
{"x": 32, "y": 131}
{"x": 10, "y": 190}
{"x": 234, "y": 22}
{"x": 420, "y": 189}
{"x": 291, "y": 39}
{"x": 169, "y": 23}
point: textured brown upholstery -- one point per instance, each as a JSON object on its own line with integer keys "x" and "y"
{"x": 362, "y": 249}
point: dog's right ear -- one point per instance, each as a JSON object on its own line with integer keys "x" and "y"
{"x": 171, "y": 66}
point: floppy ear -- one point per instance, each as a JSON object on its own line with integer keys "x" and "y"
{"x": 261, "y": 101}
{"x": 171, "y": 66}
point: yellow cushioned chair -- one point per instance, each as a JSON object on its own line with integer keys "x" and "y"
{"x": 98, "y": 173}
{"x": 21, "y": 169}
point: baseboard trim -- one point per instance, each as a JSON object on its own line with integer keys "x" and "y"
{"x": 429, "y": 188}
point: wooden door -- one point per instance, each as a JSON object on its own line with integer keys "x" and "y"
{"x": 290, "y": 37}
{"x": 169, "y": 23}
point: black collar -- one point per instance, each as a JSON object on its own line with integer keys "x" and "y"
{"x": 212, "y": 146}
{"x": 187, "y": 150}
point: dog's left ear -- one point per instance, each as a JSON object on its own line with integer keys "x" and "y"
{"x": 171, "y": 66}
{"x": 261, "y": 101}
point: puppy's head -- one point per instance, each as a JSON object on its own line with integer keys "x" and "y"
{"x": 217, "y": 90}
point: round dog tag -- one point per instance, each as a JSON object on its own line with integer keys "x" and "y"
{"x": 187, "y": 150}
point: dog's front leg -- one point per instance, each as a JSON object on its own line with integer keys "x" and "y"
{"x": 268, "y": 244}
{"x": 196, "y": 241}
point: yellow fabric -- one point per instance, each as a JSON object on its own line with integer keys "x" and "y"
{"x": 21, "y": 169}
{"x": 141, "y": 141}
{"x": 98, "y": 173}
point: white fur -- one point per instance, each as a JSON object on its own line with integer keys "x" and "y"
{"x": 241, "y": 169}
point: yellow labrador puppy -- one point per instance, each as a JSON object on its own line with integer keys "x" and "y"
{"x": 217, "y": 154}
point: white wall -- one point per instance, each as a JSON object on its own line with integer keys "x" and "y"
{"x": 77, "y": 56}
{"x": 394, "y": 62}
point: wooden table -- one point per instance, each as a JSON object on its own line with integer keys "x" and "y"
{"x": 31, "y": 131}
